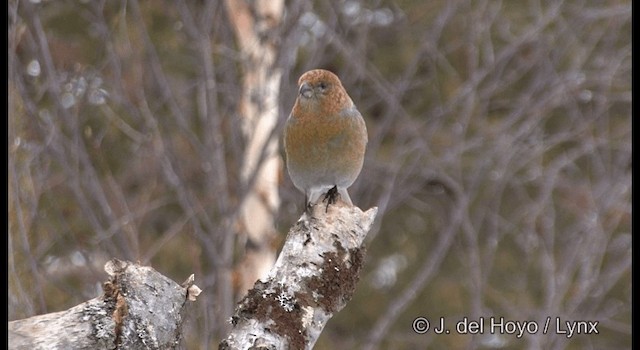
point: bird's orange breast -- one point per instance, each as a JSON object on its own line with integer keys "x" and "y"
{"x": 325, "y": 147}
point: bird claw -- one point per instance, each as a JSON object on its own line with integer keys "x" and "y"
{"x": 331, "y": 197}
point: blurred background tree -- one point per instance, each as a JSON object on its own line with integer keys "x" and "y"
{"x": 499, "y": 156}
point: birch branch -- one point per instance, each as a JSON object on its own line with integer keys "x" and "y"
{"x": 314, "y": 278}
{"x": 140, "y": 309}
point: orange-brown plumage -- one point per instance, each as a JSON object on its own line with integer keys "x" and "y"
{"x": 325, "y": 137}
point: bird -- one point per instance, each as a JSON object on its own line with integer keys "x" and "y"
{"x": 325, "y": 139}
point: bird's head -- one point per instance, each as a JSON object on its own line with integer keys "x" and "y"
{"x": 322, "y": 89}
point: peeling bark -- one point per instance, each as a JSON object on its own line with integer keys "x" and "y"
{"x": 140, "y": 309}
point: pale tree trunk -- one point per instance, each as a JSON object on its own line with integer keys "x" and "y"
{"x": 140, "y": 309}
{"x": 255, "y": 24}
{"x": 315, "y": 276}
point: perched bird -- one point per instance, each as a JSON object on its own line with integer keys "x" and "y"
{"x": 324, "y": 138}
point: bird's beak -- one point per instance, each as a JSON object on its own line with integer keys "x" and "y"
{"x": 306, "y": 90}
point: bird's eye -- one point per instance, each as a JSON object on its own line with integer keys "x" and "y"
{"x": 323, "y": 86}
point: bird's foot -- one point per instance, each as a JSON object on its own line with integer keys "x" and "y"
{"x": 331, "y": 197}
